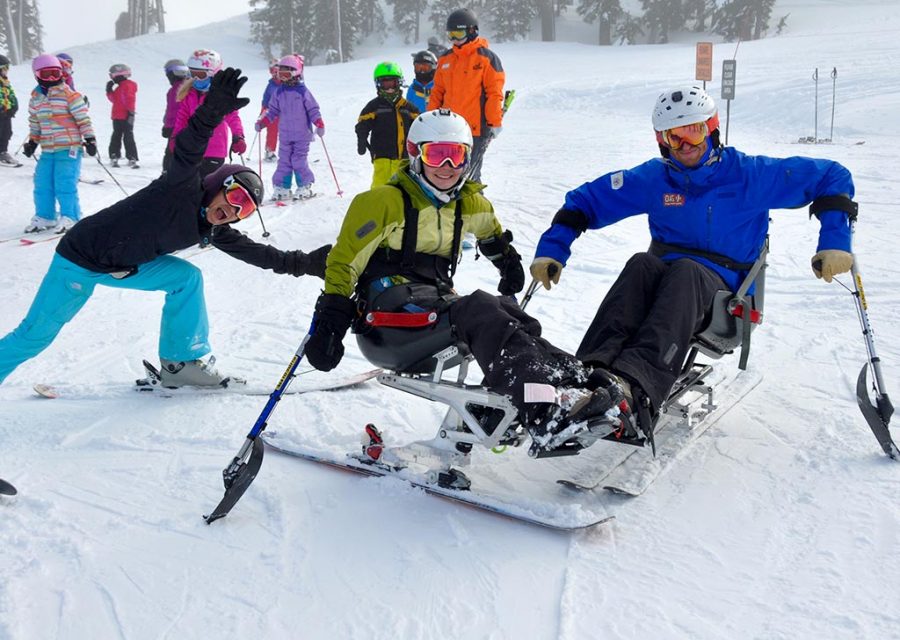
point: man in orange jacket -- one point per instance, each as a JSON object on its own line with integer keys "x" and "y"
{"x": 469, "y": 81}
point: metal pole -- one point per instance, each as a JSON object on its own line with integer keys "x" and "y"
{"x": 816, "y": 112}
{"x": 833, "y": 90}
{"x": 727, "y": 119}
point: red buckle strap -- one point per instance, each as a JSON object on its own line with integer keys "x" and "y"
{"x": 407, "y": 320}
{"x": 755, "y": 315}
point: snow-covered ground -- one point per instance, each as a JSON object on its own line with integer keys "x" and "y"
{"x": 780, "y": 522}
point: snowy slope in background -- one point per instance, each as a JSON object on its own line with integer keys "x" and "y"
{"x": 781, "y": 522}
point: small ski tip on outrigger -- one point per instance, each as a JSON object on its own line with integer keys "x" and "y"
{"x": 877, "y": 414}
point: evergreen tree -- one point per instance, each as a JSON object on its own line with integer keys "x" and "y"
{"x": 282, "y": 27}
{"x": 20, "y": 29}
{"x": 509, "y": 19}
{"x": 743, "y": 19}
{"x": 408, "y": 17}
{"x": 629, "y": 29}
{"x": 661, "y": 16}
{"x": 605, "y": 12}
{"x": 371, "y": 17}
{"x": 441, "y": 10}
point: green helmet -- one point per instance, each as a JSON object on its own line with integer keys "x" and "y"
{"x": 388, "y": 70}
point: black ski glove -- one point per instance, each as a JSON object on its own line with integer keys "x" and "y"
{"x": 130, "y": 118}
{"x": 503, "y": 255}
{"x": 167, "y": 132}
{"x": 110, "y": 86}
{"x": 334, "y": 314}
{"x": 29, "y": 148}
{"x": 308, "y": 264}
{"x": 90, "y": 145}
{"x": 223, "y": 98}
{"x": 361, "y": 146}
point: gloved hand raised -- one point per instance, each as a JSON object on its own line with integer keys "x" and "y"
{"x": 29, "y": 148}
{"x": 546, "y": 270}
{"x": 110, "y": 86}
{"x": 831, "y": 262}
{"x": 334, "y": 314}
{"x": 222, "y": 97}
{"x": 504, "y": 256}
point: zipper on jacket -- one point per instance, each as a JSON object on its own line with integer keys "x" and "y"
{"x": 709, "y": 215}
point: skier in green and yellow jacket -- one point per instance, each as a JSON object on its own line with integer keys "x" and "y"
{"x": 390, "y": 276}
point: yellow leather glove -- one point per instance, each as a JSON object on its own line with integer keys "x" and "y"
{"x": 831, "y": 262}
{"x": 546, "y": 270}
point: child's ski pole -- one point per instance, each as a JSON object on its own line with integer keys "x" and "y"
{"x": 331, "y": 166}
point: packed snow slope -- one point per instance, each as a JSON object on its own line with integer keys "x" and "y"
{"x": 780, "y": 522}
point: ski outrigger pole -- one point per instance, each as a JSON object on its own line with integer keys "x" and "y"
{"x": 242, "y": 470}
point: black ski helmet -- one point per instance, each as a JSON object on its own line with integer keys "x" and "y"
{"x": 244, "y": 176}
{"x": 4, "y": 61}
{"x": 428, "y": 58}
{"x": 463, "y": 19}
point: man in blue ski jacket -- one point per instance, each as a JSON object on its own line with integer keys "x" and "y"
{"x": 708, "y": 210}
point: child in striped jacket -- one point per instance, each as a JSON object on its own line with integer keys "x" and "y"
{"x": 57, "y": 120}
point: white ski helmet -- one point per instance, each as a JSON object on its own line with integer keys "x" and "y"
{"x": 120, "y": 70}
{"x": 683, "y": 106}
{"x": 206, "y": 59}
{"x": 440, "y": 125}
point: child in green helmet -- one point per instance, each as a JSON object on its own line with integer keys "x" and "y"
{"x": 384, "y": 122}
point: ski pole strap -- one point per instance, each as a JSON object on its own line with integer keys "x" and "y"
{"x": 414, "y": 320}
{"x": 834, "y": 203}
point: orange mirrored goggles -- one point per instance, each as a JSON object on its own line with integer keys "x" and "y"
{"x": 692, "y": 134}
{"x": 456, "y": 34}
{"x": 50, "y": 73}
{"x": 436, "y": 154}
{"x": 237, "y": 196}
{"x": 201, "y": 74}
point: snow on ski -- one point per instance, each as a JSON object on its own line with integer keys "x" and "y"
{"x": 635, "y": 469}
{"x": 559, "y": 511}
{"x": 7, "y": 489}
{"x": 52, "y": 392}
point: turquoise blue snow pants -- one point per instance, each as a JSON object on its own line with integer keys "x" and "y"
{"x": 184, "y": 329}
{"x": 56, "y": 179}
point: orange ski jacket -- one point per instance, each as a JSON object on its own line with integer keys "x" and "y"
{"x": 469, "y": 81}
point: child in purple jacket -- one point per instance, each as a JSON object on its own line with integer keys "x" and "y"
{"x": 176, "y": 72}
{"x": 298, "y": 114}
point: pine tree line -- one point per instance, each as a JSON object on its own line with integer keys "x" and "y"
{"x": 21, "y": 32}
{"x": 327, "y": 30}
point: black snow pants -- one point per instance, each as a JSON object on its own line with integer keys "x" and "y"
{"x": 122, "y": 129}
{"x": 644, "y": 325}
{"x": 506, "y": 342}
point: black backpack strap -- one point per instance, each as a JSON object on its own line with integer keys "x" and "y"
{"x": 457, "y": 237}
{"x": 410, "y": 232}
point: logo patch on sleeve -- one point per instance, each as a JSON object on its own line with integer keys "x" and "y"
{"x": 366, "y": 229}
{"x": 673, "y": 200}
{"x": 617, "y": 179}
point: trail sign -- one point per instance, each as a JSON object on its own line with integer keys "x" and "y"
{"x": 729, "y": 70}
{"x": 704, "y": 61}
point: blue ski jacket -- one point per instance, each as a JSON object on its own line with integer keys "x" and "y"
{"x": 418, "y": 95}
{"x": 720, "y": 207}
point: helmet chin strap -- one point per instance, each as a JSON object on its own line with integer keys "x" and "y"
{"x": 441, "y": 195}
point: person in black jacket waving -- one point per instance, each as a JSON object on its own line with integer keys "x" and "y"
{"x": 127, "y": 246}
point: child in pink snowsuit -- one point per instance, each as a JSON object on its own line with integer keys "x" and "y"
{"x": 298, "y": 114}
{"x": 203, "y": 65}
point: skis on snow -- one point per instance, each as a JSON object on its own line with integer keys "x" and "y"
{"x": 52, "y": 392}
{"x": 7, "y": 489}
{"x": 557, "y": 513}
